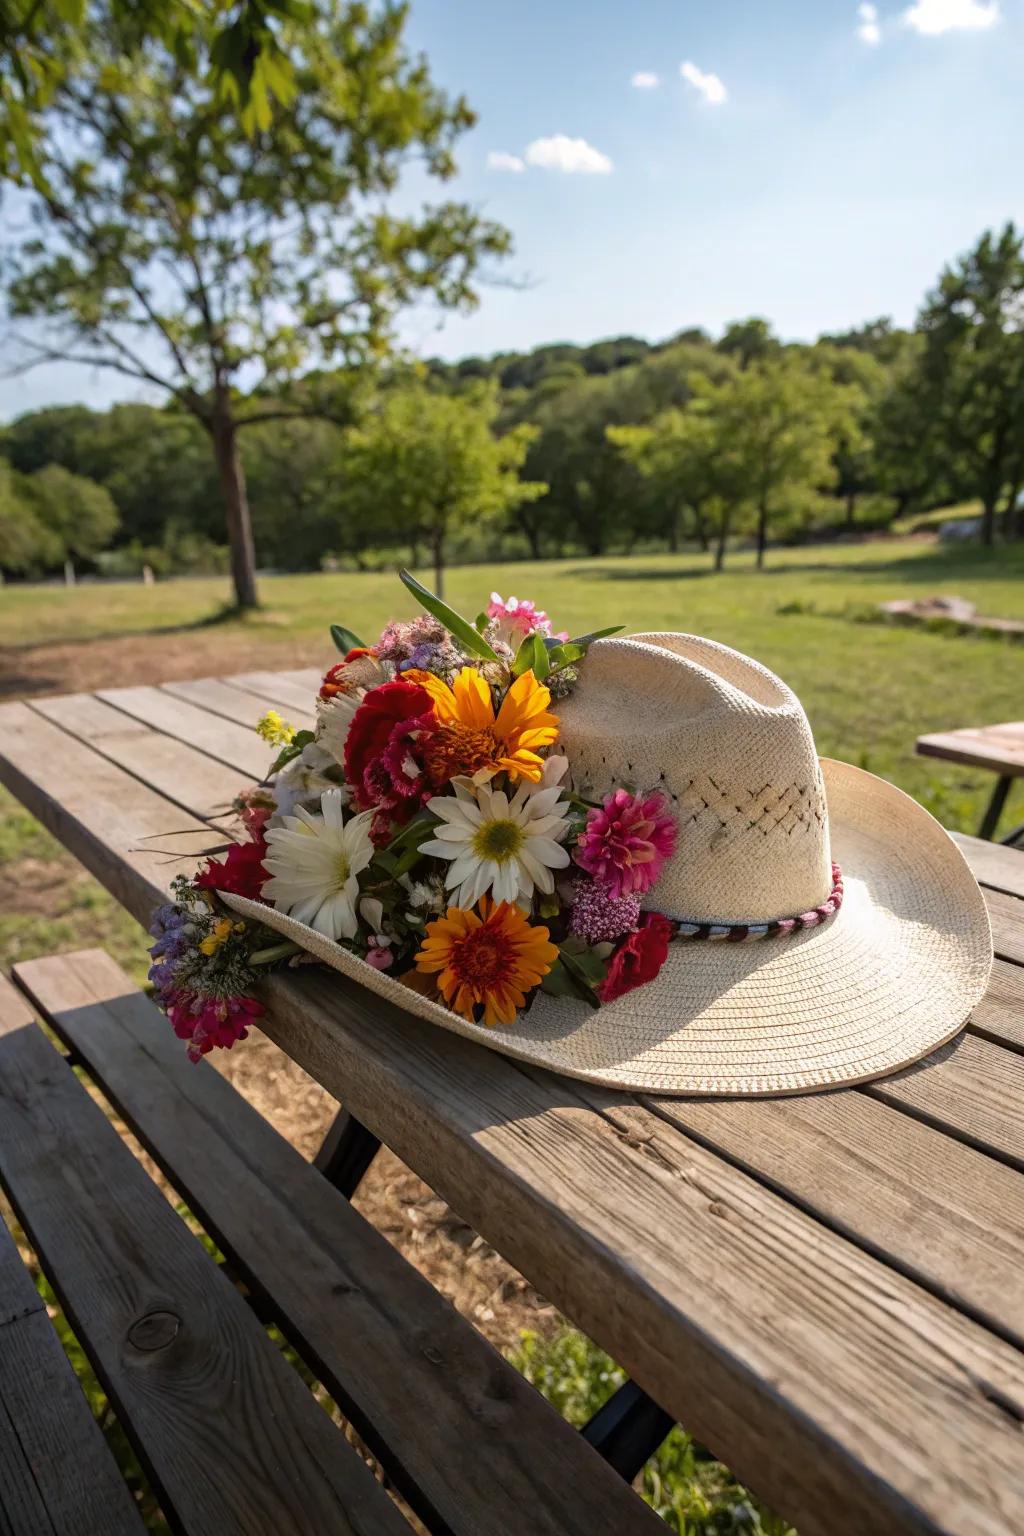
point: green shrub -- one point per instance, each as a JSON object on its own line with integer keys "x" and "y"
{"x": 694, "y": 1494}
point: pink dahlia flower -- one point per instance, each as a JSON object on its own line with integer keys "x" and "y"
{"x": 626, "y": 841}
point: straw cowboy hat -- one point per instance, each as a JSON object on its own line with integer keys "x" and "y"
{"x": 774, "y": 991}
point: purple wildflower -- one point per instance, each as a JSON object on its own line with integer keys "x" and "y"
{"x": 598, "y": 915}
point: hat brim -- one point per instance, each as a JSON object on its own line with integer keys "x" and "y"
{"x": 891, "y": 977}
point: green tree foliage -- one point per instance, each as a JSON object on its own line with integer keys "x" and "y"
{"x": 749, "y": 341}
{"x": 27, "y": 547}
{"x": 781, "y": 419}
{"x": 424, "y": 464}
{"x": 238, "y": 258}
{"x": 78, "y": 513}
{"x": 970, "y": 384}
{"x": 40, "y": 42}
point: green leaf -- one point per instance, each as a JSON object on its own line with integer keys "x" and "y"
{"x": 480, "y": 623}
{"x": 345, "y": 640}
{"x": 566, "y": 653}
{"x": 585, "y": 640}
{"x": 463, "y": 631}
{"x": 532, "y": 657}
{"x": 561, "y": 982}
{"x": 589, "y": 969}
{"x": 299, "y": 740}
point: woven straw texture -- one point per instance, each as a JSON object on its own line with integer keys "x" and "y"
{"x": 892, "y": 976}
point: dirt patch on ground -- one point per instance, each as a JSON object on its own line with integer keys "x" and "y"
{"x": 67, "y": 666}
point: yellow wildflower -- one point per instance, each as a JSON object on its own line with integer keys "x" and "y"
{"x": 221, "y": 933}
{"x": 275, "y": 730}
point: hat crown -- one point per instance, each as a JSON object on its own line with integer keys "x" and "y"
{"x": 730, "y": 747}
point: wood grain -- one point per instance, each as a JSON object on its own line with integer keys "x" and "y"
{"x": 999, "y": 747}
{"x": 230, "y": 1436}
{"x": 288, "y": 694}
{"x": 188, "y": 778}
{"x": 220, "y": 739}
{"x": 1000, "y": 1014}
{"x": 941, "y": 1212}
{"x": 116, "y": 826}
{"x": 237, "y": 704}
{"x": 1006, "y": 914}
{"x": 971, "y": 1089}
{"x": 389, "y": 1348}
{"x": 992, "y": 864}
{"x": 57, "y": 1477}
{"x": 845, "y": 1395}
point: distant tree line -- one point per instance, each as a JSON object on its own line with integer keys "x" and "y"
{"x": 595, "y": 449}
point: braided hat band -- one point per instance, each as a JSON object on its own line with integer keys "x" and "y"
{"x": 739, "y": 933}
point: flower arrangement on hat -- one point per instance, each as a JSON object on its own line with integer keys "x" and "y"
{"x": 429, "y": 826}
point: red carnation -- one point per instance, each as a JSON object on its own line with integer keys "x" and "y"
{"x": 241, "y": 872}
{"x": 638, "y": 958}
{"x": 381, "y": 711}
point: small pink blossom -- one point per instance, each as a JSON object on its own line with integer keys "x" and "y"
{"x": 380, "y": 957}
{"x": 598, "y": 916}
{"x": 626, "y": 841}
{"x": 516, "y": 618}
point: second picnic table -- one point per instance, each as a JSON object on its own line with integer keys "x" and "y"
{"x": 827, "y": 1290}
{"x": 999, "y": 748}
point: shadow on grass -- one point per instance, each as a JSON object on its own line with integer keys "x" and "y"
{"x": 605, "y": 573}
{"x": 954, "y": 565}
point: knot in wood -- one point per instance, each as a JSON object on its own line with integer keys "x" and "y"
{"x": 154, "y": 1330}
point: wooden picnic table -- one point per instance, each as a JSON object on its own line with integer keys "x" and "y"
{"x": 827, "y": 1290}
{"x": 999, "y": 748}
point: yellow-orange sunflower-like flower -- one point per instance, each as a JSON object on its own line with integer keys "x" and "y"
{"x": 470, "y": 739}
{"x": 492, "y": 959}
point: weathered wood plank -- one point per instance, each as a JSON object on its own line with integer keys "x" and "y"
{"x": 971, "y": 1089}
{"x": 244, "y": 708}
{"x": 1000, "y": 1014}
{"x": 230, "y": 1436}
{"x": 184, "y": 776}
{"x": 288, "y": 694}
{"x": 999, "y": 747}
{"x": 57, "y": 1477}
{"x": 943, "y": 1213}
{"x": 388, "y": 1347}
{"x": 993, "y": 865}
{"x": 218, "y": 738}
{"x": 116, "y": 826}
{"x": 843, "y": 1393}
{"x": 1006, "y": 915}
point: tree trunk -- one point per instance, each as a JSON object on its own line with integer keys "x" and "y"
{"x": 723, "y": 534}
{"x": 236, "y": 506}
{"x": 437, "y": 546}
{"x": 700, "y": 528}
{"x": 988, "y": 521}
{"x": 531, "y": 532}
{"x": 762, "y": 533}
{"x": 851, "y": 502}
{"x": 673, "y": 532}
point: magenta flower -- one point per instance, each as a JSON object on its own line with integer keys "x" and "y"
{"x": 517, "y": 618}
{"x": 626, "y": 841}
{"x": 205, "y": 1022}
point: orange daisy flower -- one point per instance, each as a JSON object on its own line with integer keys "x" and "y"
{"x": 493, "y": 959}
{"x": 471, "y": 740}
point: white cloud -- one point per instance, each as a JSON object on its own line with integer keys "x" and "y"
{"x": 644, "y": 80}
{"x": 710, "y": 87}
{"x": 498, "y": 160}
{"x": 868, "y": 29}
{"x": 930, "y": 17}
{"x": 573, "y": 156}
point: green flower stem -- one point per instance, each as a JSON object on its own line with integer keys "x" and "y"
{"x": 274, "y": 952}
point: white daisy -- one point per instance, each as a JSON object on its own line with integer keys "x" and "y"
{"x": 334, "y": 715}
{"x": 506, "y": 847}
{"x": 314, "y": 861}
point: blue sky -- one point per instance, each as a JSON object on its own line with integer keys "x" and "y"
{"x": 817, "y": 164}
